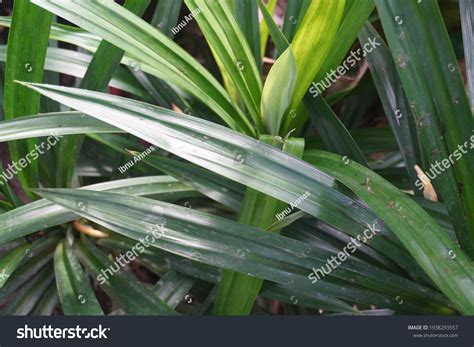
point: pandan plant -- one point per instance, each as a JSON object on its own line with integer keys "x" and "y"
{"x": 237, "y": 157}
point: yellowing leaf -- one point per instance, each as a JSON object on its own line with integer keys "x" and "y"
{"x": 313, "y": 40}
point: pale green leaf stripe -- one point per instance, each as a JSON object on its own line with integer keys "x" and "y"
{"x": 443, "y": 261}
{"x": 234, "y": 156}
{"x": 43, "y": 214}
{"x": 75, "y": 64}
{"x": 75, "y": 292}
{"x": 66, "y": 33}
{"x": 56, "y": 123}
{"x": 27, "y": 42}
{"x": 223, "y": 34}
{"x": 144, "y": 43}
{"x": 313, "y": 41}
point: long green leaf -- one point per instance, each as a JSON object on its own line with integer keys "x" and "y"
{"x": 10, "y": 262}
{"x": 356, "y": 12}
{"x": 427, "y": 66}
{"x": 166, "y": 15}
{"x": 107, "y": 57}
{"x": 173, "y": 287}
{"x": 100, "y": 71}
{"x": 211, "y": 274}
{"x": 393, "y": 100}
{"x": 234, "y": 156}
{"x": 279, "y": 40}
{"x": 237, "y": 292}
{"x": 228, "y": 43}
{"x": 294, "y": 13}
{"x": 216, "y": 187}
{"x": 278, "y": 91}
{"x": 58, "y": 123}
{"x": 131, "y": 295}
{"x": 66, "y": 33}
{"x": 313, "y": 41}
{"x": 232, "y": 245}
{"x": 73, "y": 63}
{"x": 75, "y": 292}
{"x": 264, "y": 30}
{"x": 42, "y": 214}
{"x": 246, "y": 14}
{"x": 48, "y": 302}
{"x": 467, "y": 22}
{"x": 333, "y": 133}
{"x": 26, "y": 298}
{"x": 159, "y": 55}
{"x": 27, "y": 43}
{"x": 335, "y": 136}
{"x": 440, "y": 258}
